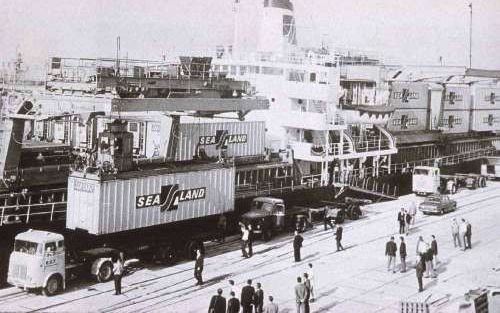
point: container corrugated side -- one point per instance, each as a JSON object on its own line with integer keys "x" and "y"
{"x": 244, "y": 139}
{"x": 120, "y": 205}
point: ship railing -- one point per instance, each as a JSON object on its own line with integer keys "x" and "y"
{"x": 27, "y": 213}
{"x": 339, "y": 148}
{"x": 374, "y": 144}
{"x": 361, "y": 180}
{"x": 443, "y": 160}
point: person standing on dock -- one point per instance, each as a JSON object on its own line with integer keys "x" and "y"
{"x": 250, "y": 240}
{"x": 401, "y": 221}
{"x": 244, "y": 240}
{"x": 271, "y": 307}
{"x": 300, "y": 295}
{"x": 258, "y": 299}
{"x": 434, "y": 248}
{"x": 402, "y": 254}
{"x": 462, "y": 230}
{"x": 408, "y": 219}
{"x": 217, "y": 303}
{"x": 311, "y": 275}
{"x": 297, "y": 244}
{"x": 455, "y": 233}
{"x": 390, "y": 252}
{"x": 233, "y": 304}
{"x": 468, "y": 234}
{"x": 222, "y": 226}
{"x": 338, "y": 237}
{"x": 307, "y": 283}
{"x": 198, "y": 267}
{"x": 420, "y": 269}
{"x": 247, "y": 296}
{"x": 117, "y": 274}
{"x": 412, "y": 209}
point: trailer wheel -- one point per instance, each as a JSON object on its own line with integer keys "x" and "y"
{"x": 190, "y": 249}
{"x": 54, "y": 285}
{"x": 166, "y": 254}
{"x": 105, "y": 272}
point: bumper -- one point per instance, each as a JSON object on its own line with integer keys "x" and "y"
{"x": 430, "y": 211}
{"x": 22, "y": 284}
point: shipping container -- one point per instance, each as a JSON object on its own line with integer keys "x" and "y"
{"x": 414, "y": 95}
{"x": 455, "y": 121}
{"x": 239, "y": 139}
{"x": 485, "y": 120}
{"x": 486, "y": 97}
{"x": 408, "y": 120}
{"x": 457, "y": 97}
{"x": 147, "y": 198}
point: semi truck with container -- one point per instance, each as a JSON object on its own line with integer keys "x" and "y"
{"x": 428, "y": 180}
{"x": 157, "y": 212}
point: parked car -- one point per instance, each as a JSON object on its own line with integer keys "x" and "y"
{"x": 437, "y": 204}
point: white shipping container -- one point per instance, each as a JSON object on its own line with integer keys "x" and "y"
{"x": 457, "y": 97}
{"x": 485, "y": 120}
{"x": 409, "y": 95}
{"x": 148, "y": 198}
{"x": 241, "y": 138}
{"x": 486, "y": 98}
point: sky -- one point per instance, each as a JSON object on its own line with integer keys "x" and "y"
{"x": 401, "y": 31}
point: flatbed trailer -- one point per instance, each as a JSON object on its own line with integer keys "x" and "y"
{"x": 427, "y": 180}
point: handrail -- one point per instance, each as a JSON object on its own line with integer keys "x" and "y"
{"x": 29, "y": 211}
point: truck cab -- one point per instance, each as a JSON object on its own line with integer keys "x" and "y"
{"x": 38, "y": 261}
{"x": 269, "y": 215}
{"x": 426, "y": 180}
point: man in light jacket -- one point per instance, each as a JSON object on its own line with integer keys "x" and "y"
{"x": 462, "y": 231}
{"x": 271, "y": 307}
{"x": 455, "y": 233}
{"x": 300, "y": 295}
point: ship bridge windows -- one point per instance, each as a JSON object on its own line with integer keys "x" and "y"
{"x": 267, "y": 70}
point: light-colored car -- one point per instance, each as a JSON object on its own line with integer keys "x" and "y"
{"x": 437, "y": 204}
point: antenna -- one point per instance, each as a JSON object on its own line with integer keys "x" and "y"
{"x": 117, "y": 70}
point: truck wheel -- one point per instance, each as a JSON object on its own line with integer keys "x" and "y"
{"x": 354, "y": 216}
{"x": 105, "y": 272}
{"x": 166, "y": 254}
{"x": 267, "y": 235}
{"x": 54, "y": 285}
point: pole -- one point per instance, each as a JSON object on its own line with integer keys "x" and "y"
{"x": 470, "y": 36}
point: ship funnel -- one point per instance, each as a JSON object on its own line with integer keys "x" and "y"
{"x": 278, "y": 31}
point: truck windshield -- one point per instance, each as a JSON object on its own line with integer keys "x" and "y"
{"x": 26, "y": 247}
{"x": 263, "y": 206}
{"x": 420, "y": 171}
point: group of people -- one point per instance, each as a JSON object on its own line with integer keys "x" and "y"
{"x": 251, "y": 300}
{"x": 461, "y": 234}
{"x": 406, "y": 218}
{"x": 304, "y": 291}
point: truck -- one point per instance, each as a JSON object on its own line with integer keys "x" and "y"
{"x": 154, "y": 212}
{"x": 491, "y": 168}
{"x": 269, "y": 215}
{"x": 428, "y": 180}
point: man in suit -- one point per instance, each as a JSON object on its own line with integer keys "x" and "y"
{"x": 434, "y": 248}
{"x": 297, "y": 244}
{"x": 408, "y": 222}
{"x": 420, "y": 269}
{"x": 401, "y": 220}
{"x": 198, "y": 267}
{"x": 300, "y": 295}
{"x": 258, "y": 299}
{"x": 271, "y": 307}
{"x": 402, "y": 254}
{"x": 250, "y": 240}
{"x": 468, "y": 234}
{"x": 390, "y": 252}
{"x": 338, "y": 237}
{"x": 307, "y": 283}
{"x": 247, "y": 295}
{"x": 233, "y": 305}
{"x": 218, "y": 303}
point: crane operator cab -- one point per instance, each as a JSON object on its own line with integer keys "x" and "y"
{"x": 115, "y": 149}
{"x": 38, "y": 261}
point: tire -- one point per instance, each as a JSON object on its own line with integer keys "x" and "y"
{"x": 267, "y": 234}
{"x": 54, "y": 285}
{"x": 190, "y": 249}
{"x": 166, "y": 254}
{"x": 354, "y": 216}
{"x": 105, "y": 272}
